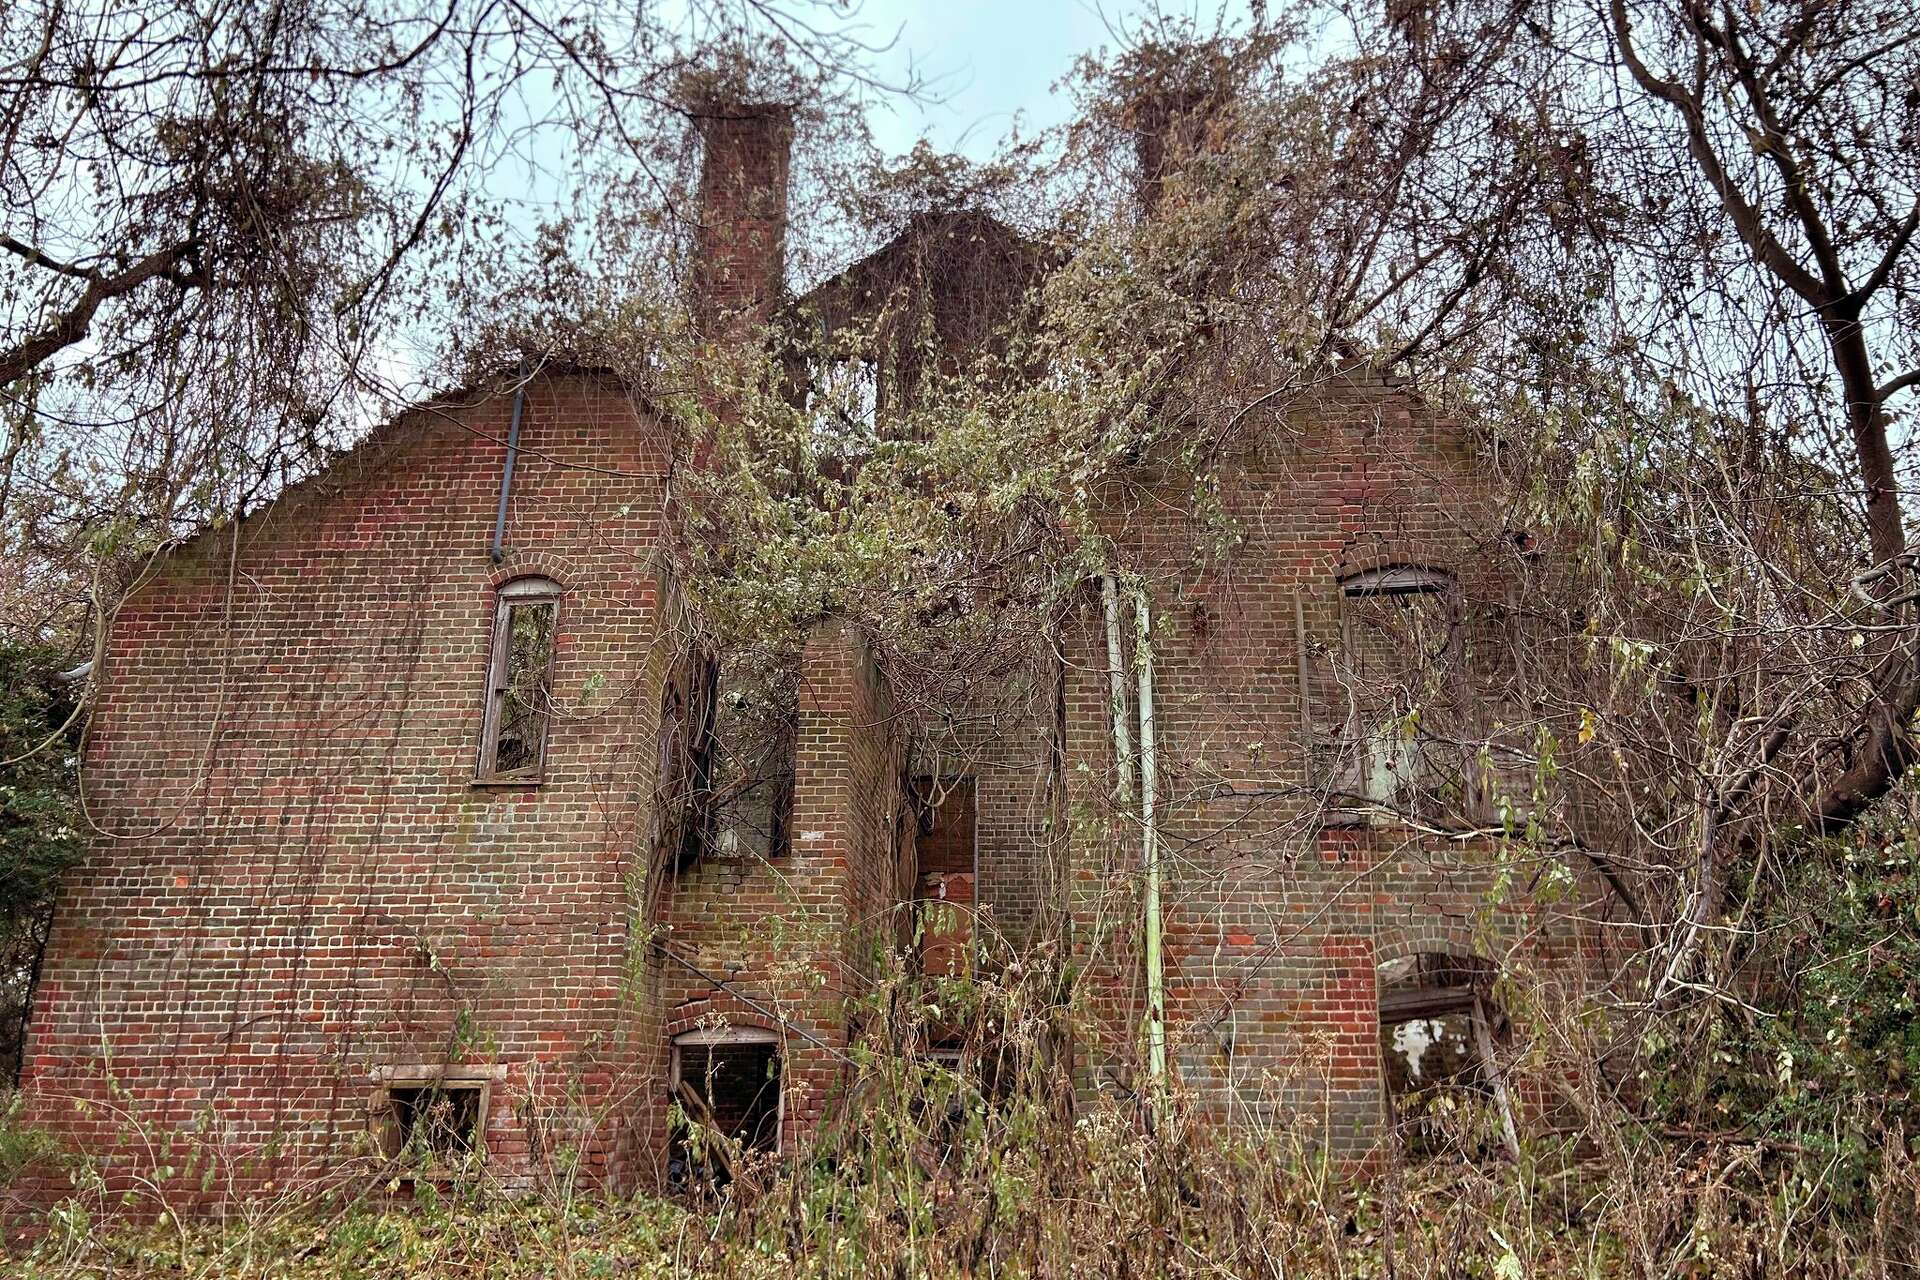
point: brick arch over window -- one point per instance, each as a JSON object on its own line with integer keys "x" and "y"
{"x": 1393, "y": 943}
{"x": 715, "y": 1009}
{"x": 1404, "y": 548}
{"x": 531, "y": 564}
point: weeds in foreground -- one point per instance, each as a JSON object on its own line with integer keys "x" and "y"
{"x": 1724, "y": 1139}
{"x": 1582, "y": 1219}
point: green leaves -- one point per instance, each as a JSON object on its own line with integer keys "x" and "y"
{"x": 40, "y": 822}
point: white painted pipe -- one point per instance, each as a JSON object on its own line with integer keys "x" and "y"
{"x": 1150, "y": 853}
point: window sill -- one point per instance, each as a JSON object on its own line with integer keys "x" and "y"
{"x": 441, "y": 1177}
{"x": 505, "y": 784}
{"x": 1356, "y": 818}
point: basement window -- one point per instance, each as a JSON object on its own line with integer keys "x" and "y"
{"x": 513, "y": 744}
{"x": 1438, "y": 1029}
{"x": 726, "y": 1087}
{"x": 434, "y": 1122}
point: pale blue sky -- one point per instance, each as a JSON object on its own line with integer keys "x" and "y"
{"x": 984, "y": 63}
{"x": 992, "y": 59}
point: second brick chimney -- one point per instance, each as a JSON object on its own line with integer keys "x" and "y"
{"x": 740, "y": 244}
{"x": 1176, "y": 93}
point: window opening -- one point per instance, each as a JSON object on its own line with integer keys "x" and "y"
{"x": 1438, "y": 1029}
{"x": 520, "y": 681}
{"x": 686, "y": 758}
{"x": 1397, "y": 580}
{"x": 739, "y": 801}
{"x": 435, "y": 1121}
{"x": 944, "y": 888}
{"x": 845, "y": 404}
{"x": 1398, "y": 644}
{"x": 727, "y": 1085}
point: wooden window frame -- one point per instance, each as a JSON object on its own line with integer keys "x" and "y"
{"x": 735, "y": 1037}
{"x": 1379, "y": 761}
{"x": 384, "y": 1119}
{"x": 517, "y": 592}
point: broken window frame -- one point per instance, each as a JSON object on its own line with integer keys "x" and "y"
{"x": 1388, "y": 763}
{"x": 683, "y": 782}
{"x": 1463, "y": 991}
{"x": 395, "y": 1118}
{"x": 929, "y": 795}
{"x": 846, "y": 402}
{"x": 737, "y": 776}
{"x": 712, "y": 1040}
{"x": 519, "y": 593}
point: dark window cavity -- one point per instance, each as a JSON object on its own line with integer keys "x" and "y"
{"x": 735, "y": 788}
{"x": 435, "y": 1121}
{"x": 726, "y": 1085}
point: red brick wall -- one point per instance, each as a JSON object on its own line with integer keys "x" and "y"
{"x": 304, "y": 889}
{"x": 1274, "y": 924}
{"x": 783, "y": 944}
{"x": 302, "y": 884}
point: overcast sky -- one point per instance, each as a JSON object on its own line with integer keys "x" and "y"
{"x": 990, "y": 60}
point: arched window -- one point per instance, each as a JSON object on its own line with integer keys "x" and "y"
{"x": 513, "y": 740}
{"x": 1397, "y": 580}
{"x": 1438, "y": 1030}
{"x": 727, "y": 1084}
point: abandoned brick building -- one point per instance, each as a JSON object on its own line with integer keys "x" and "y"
{"x": 384, "y": 857}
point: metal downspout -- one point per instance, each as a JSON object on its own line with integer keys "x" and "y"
{"x": 497, "y": 552}
{"x": 1117, "y": 695}
{"x": 1150, "y": 851}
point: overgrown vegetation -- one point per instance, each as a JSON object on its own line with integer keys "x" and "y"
{"x": 40, "y": 822}
{"x": 1656, "y": 258}
{"x": 991, "y": 1167}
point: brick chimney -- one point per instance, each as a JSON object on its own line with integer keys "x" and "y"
{"x": 741, "y": 242}
{"x": 1177, "y": 92}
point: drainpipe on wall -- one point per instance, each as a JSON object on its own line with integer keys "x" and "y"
{"x": 1117, "y": 695}
{"x": 497, "y": 552}
{"x": 1150, "y": 853}
{"x": 1154, "y": 959}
